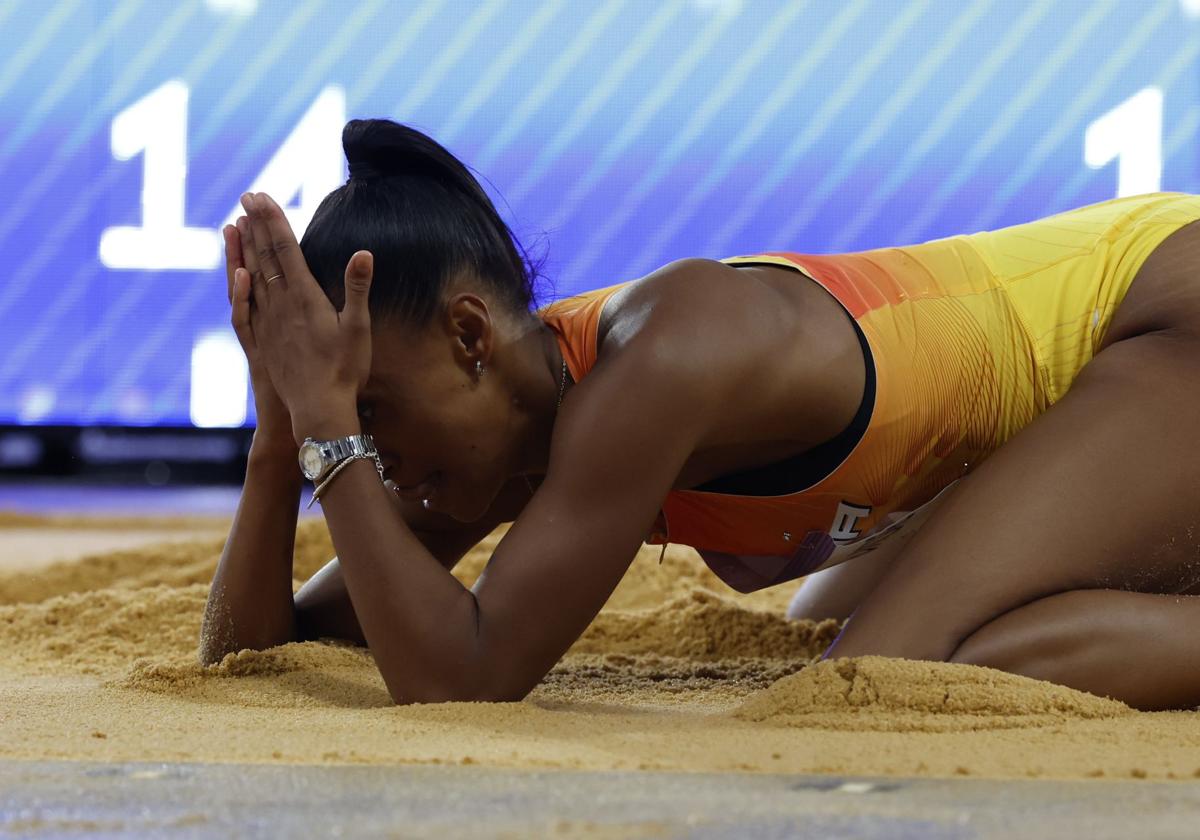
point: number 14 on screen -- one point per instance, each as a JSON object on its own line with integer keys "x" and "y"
{"x": 308, "y": 164}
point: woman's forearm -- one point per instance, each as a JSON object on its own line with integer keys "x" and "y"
{"x": 250, "y": 603}
{"x": 418, "y": 620}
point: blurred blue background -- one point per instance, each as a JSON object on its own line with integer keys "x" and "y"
{"x": 615, "y": 136}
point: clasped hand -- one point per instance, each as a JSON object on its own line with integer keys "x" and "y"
{"x": 317, "y": 358}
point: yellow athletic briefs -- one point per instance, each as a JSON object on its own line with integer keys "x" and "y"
{"x": 970, "y": 337}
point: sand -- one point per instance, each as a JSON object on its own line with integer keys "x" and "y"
{"x": 97, "y": 661}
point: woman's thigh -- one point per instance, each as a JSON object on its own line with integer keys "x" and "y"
{"x": 1100, "y": 491}
{"x": 1165, "y": 292}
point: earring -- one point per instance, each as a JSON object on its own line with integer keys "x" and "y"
{"x": 478, "y": 368}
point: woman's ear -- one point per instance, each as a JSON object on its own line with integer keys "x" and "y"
{"x": 470, "y": 322}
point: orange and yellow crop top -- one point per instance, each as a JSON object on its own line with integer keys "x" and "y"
{"x": 934, "y": 412}
{"x": 968, "y": 337}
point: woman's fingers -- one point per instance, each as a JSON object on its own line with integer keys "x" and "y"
{"x": 257, "y": 293}
{"x": 285, "y": 250}
{"x": 233, "y": 256}
{"x": 264, "y": 248}
{"x": 240, "y": 314}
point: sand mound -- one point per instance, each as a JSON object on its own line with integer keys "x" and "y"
{"x": 876, "y": 693}
{"x": 301, "y": 674}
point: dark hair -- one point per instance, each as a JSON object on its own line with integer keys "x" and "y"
{"x": 423, "y": 217}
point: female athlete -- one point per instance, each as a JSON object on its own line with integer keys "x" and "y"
{"x": 983, "y": 445}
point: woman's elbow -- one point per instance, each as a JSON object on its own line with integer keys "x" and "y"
{"x": 470, "y": 685}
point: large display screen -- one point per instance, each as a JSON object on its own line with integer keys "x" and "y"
{"x": 614, "y": 135}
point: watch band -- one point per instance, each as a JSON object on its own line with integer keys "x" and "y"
{"x": 335, "y": 450}
{"x": 332, "y": 452}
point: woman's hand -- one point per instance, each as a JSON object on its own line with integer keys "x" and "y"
{"x": 274, "y": 424}
{"x": 317, "y": 357}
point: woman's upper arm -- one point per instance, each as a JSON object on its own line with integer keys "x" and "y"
{"x": 618, "y": 446}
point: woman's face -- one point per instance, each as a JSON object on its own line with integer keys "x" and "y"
{"x": 434, "y": 421}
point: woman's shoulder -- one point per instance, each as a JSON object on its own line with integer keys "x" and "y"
{"x": 695, "y": 306}
{"x": 696, "y": 317}
{"x": 703, "y": 351}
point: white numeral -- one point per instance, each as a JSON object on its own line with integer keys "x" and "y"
{"x": 219, "y": 381}
{"x": 1131, "y": 133}
{"x": 309, "y": 162}
{"x": 157, "y": 125}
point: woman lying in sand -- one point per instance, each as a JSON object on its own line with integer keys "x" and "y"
{"x": 989, "y": 440}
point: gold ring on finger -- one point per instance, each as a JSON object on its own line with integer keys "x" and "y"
{"x": 273, "y": 277}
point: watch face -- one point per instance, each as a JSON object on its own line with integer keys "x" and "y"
{"x": 310, "y": 460}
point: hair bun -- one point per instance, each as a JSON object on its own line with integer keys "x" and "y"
{"x": 362, "y": 170}
{"x": 382, "y": 148}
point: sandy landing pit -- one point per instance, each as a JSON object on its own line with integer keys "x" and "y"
{"x": 97, "y": 661}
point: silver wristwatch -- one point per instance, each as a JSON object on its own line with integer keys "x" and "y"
{"x": 318, "y": 457}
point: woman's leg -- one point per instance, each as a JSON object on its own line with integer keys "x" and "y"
{"x": 1139, "y": 647}
{"x": 1102, "y": 491}
{"x": 836, "y": 592}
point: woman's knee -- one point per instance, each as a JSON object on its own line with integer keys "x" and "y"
{"x": 1133, "y": 646}
{"x": 1024, "y": 639}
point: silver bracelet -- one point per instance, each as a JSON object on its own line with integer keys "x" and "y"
{"x": 320, "y": 488}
